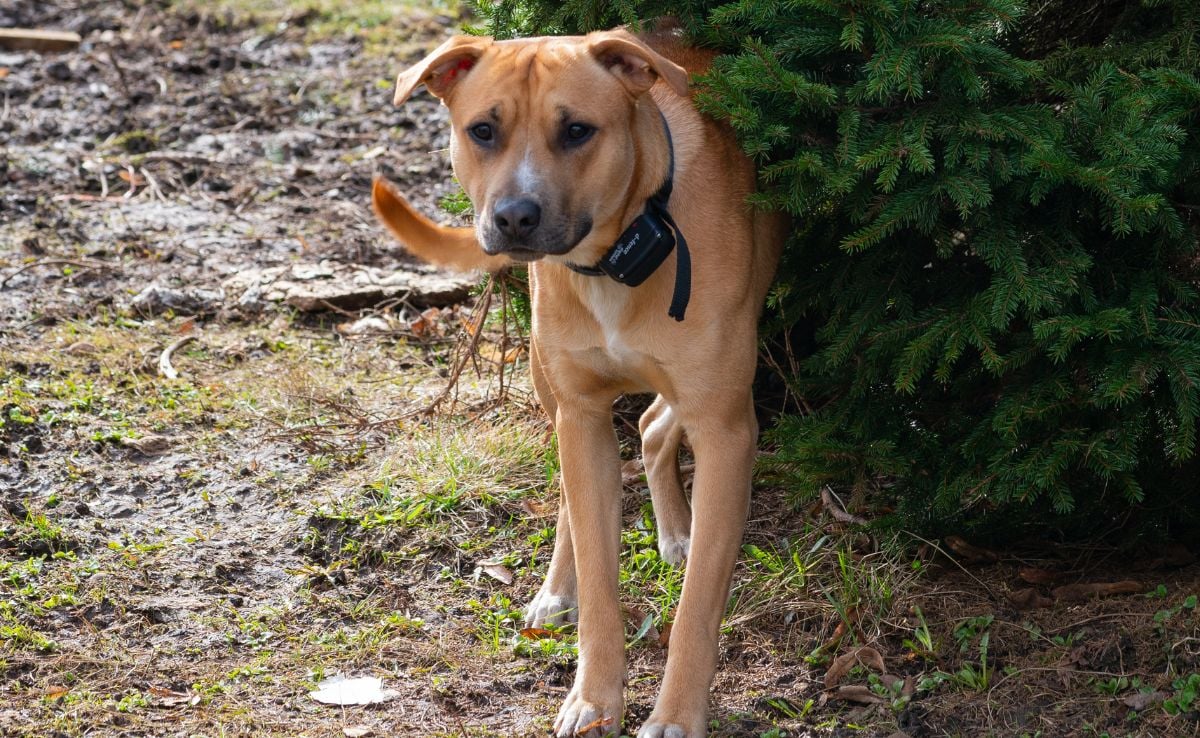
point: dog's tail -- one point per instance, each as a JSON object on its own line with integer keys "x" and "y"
{"x": 455, "y": 248}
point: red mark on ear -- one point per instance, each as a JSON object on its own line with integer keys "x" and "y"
{"x": 450, "y": 75}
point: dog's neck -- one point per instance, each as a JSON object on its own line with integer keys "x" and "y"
{"x": 643, "y": 247}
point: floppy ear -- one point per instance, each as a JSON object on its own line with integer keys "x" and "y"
{"x": 635, "y": 64}
{"x": 443, "y": 68}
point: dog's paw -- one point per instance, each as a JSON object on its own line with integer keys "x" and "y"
{"x": 550, "y": 609}
{"x": 589, "y": 718}
{"x": 655, "y": 728}
{"x": 674, "y": 549}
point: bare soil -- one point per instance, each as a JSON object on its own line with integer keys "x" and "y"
{"x": 192, "y": 556}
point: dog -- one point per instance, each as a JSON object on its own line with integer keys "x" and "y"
{"x": 585, "y": 158}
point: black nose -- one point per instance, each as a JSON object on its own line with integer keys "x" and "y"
{"x": 517, "y": 218}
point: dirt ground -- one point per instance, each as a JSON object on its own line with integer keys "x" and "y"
{"x": 192, "y": 556}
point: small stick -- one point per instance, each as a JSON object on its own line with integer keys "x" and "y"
{"x": 837, "y": 511}
{"x": 153, "y": 185}
{"x": 29, "y": 39}
{"x": 164, "y": 360}
{"x": 52, "y": 262}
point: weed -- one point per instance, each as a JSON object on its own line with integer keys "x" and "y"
{"x": 1187, "y": 690}
{"x": 498, "y": 619}
{"x": 922, "y": 643}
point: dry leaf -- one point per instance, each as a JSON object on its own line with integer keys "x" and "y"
{"x": 82, "y": 348}
{"x": 536, "y": 510}
{"x": 55, "y": 691}
{"x": 643, "y": 622}
{"x": 150, "y": 444}
{"x": 841, "y": 666}
{"x": 1034, "y": 575}
{"x": 860, "y": 694}
{"x": 169, "y": 697}
{"x": 972, "y": 554}
{"x": 338, "y": 690}
{"x": 497, "y": 571}
{"x": 1142, "y": 700}
{"x": 603, "y": 722}
{"x": 633, "y": 472}
{"x": 1079, "y": 592}
{"x": 1028, "y": 599}
{"x": 537, "y": 634}
{"x": 664, "y": 636}
{"x": 356, "y": 731}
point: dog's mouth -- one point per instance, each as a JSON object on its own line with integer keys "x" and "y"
{"x": 525, "y": 255}
{"x": 537, "y": 245}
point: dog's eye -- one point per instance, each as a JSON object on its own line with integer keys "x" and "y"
{"x": 577, "y": 133}
{"x": 482, "y": 132}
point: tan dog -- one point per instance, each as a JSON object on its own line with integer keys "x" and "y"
{"x": 559, "y": 142}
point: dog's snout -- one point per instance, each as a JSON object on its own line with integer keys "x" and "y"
{"x": 517, "y": 217}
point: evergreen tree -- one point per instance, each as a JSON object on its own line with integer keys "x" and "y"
{"x": 997, "y": 217}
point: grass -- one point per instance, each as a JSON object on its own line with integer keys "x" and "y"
{"x": 384, "y": 25}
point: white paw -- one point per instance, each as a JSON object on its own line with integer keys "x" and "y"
{"x": 659, "y": 729}
{"x": 550, "y": 609}
{"x": 588, "y": 718}
{"x": 674, "y": 549}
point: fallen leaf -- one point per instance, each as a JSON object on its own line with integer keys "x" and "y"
{"x": 149, "y": 444}
{"x": 356, "y": 731}
{"x": 537, "y": 634}
{"x": 365, "y": 326}
{"x": 969, "y": 552}
{"x": 133, "y": 178}
{"x": 1142, "y": 700}
{"x": 1173, "y": 556}
{"x": 497, "y": 571}
{"x": 860, "y": 694}
{"x": 1034, "y": 575}
{"x": 535, "y": 509}
{"x": 1028, "y": 599}
{"x": 644, "y": 623}
{"x": 55, "y": 691}
{"x": 841, "y": 666}
{"x": 1079, "y": 592}
{"x": 82, "y": 348}
{"x": 633, "y": 472}
{"x": 664, "y": 636}
{"x": 603, "y": 722}
{"x": 169, "y": 697}
{"x": 338, "y": 690}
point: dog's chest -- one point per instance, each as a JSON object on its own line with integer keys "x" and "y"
{"x": 617, "y": 336}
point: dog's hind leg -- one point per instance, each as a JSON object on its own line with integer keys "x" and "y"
{"x": 557, "y": 600}
{"x": 662, "y": 436}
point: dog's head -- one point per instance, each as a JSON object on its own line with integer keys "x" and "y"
{"x": 544, "y": 135}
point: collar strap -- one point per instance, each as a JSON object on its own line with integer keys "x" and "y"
{"x": 647, "y": 242}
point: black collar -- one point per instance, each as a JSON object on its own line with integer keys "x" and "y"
{"x": 647, "y": 243}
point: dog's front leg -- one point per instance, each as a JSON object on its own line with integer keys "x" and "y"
{"x": 592, "y": 492}
{"x": 724, "y": 444}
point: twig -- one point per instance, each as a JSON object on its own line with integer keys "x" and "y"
{"x": 834, "y": 506}
{"x": 53, "y": 262}
{"x": 154, "y": 188}
{"x": 120, "y": 72}
{"x": 942, "y": 551}
{"x": 164, "y": 360}
{"x": 176, "y": 157}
